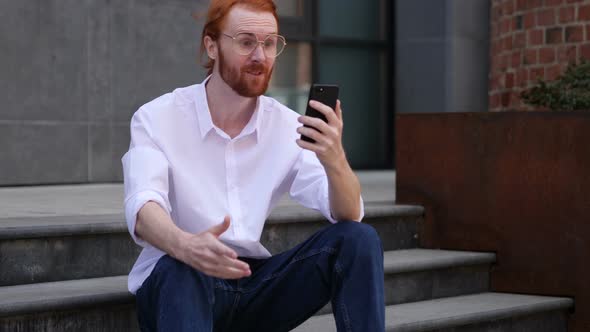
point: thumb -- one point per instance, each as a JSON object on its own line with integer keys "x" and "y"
{"x": 217, "y": 230}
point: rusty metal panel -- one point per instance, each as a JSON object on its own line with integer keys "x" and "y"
{"x": 515, "y": 183}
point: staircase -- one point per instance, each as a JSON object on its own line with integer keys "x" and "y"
{"x": 68, "y": 273}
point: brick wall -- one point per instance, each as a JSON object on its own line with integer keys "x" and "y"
{"x": 533, "y": 39}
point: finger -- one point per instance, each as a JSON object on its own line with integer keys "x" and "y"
{"x": 312, "y": 133}
{"x": 212, "y": 258}
{"x": 318, "y": 124}
{"x": 220, "y": 271}
{"x": 217, "y": 230}
{"x": 324, "y": 109}
{"x": 229, "y": 273}
{"x": 308, "y": 146}
{"x": 339, "y": 109}
{"x": 231, "y": 262}
{"x": 221, "y": 249}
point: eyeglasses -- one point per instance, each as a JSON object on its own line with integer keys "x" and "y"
{"x": 245, "y": 43}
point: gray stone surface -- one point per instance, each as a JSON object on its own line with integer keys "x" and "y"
{"x": 555, "y": 321}
{"x": 442, "y": 49}
{"x": 107, "y": 145}
{"x": 111, "y": 318}
{"x": 429, "y": 259}
{"x": 395, "y": 232}
{"x": 421, "y": 68}
{"x": 470, "y": 55}
{"x": 418, "y": 274}
{"x": 72, "y": 247}
{"x": 50, "y": 150}
{"x": 35, "y": 227}
{"x": 89, "y": 64}
{"x": 401, "y": 285}
{"x": 62, "y": 200}
{"x": 448, "y": 314}
{"x": 63, "y": 295}
{"x": 59, "y": 226}
{"x": 378, "y": 187}
{"x": 50, "y": 233}
{"x": 436, "y": 283}
{"x": 43, "y": 62}
{"x": 27, "y": 261}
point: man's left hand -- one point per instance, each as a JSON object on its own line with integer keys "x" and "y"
{"x": 327, "y": 135}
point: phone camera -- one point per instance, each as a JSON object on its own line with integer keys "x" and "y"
{"x": 321, "y": 89}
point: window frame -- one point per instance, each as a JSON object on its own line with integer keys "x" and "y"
{"x": 305, "y": 28}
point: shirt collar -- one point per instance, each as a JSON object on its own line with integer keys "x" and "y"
{"x": 206, "y": 122}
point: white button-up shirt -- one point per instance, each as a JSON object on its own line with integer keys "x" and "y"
{"x": 179, "y": 159}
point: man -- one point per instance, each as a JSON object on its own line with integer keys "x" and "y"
{"x": 206, "y": 165}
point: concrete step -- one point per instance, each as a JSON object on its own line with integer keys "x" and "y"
{"x": 421, "y": 274}
{"x": 493, "y": 312}
{"x": 54, "y": 248}
{"x": 100, "y": 304}
{"x": 410, "y": 275}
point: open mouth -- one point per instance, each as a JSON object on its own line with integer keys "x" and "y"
{"x": 255, "y": 73}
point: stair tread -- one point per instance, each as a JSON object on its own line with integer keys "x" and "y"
{"x": 62, "y": 294}
{"x": 409, "y": 260}
{"x": 107, "y": 198}
{"x": 22, "y": 227}
{"x": 70, "y": 293}
{"x": 452, "y": 312}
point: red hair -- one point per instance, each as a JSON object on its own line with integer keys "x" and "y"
{"x": 217, "y": 13}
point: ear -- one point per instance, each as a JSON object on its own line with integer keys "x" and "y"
{"x": 210, "y": 47}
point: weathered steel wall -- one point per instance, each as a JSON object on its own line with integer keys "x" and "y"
{"x": 514, "y": 183}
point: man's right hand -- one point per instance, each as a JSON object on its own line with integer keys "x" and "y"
{"x": 207, "y": 254}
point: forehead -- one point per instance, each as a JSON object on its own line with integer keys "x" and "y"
{"x": 243, "y": 19}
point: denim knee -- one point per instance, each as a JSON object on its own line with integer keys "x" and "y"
{"x": 358, "y": 231}
{"x": 359, "y": 235}
{"x": 173, "y": 276}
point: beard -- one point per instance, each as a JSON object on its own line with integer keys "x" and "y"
{"x": 242, "y": 81}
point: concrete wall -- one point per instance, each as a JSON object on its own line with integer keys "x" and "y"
{"x": 442, "y": 55}
{"x": 72, "y": 74}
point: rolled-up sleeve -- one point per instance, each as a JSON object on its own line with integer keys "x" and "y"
{"x": 145, "y": 174}
{"x": 310, "y": 186}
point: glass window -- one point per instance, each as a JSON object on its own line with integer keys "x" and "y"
{"x": 292, "y": 76}
{"x": 361, "y": 74}
{"x": 353, "y": 19}
{"x": 289, "y": 7}
{"x": 342, "y": 42}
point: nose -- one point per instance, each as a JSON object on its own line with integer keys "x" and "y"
{"x": 258, "y": 53}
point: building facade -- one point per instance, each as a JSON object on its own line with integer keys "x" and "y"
{"x": 532, "y": 40}
{"x": 73, "y": 73}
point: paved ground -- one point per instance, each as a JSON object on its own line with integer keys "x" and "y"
{"x": 96, "y": 199}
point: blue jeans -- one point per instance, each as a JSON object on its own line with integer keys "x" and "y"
{"x": 342, "y": 262}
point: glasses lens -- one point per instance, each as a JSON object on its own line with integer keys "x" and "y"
{"x": 245, "y": 43}
{"x": 274, "y": 45}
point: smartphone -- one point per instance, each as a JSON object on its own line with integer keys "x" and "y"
{"x": 326, "y": 94}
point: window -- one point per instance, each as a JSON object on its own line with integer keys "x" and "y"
{"x": 347, "y": 42}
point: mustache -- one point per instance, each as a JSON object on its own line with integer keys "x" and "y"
{"x": 255, "y": 67}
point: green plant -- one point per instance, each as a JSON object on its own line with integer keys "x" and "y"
{"x": 570, "y": 91}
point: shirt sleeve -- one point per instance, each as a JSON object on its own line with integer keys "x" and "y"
{"x": 310, "y": 186}
{"x": 145, "y": 174}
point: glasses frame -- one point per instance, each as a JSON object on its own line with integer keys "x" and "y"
{"x": 260, "y": 42}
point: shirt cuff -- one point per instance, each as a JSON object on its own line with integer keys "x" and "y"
{"x": 134, "y": 203}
